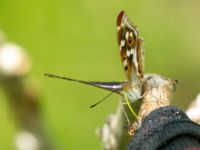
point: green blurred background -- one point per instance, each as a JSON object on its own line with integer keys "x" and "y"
{"x": 78, "y": 39}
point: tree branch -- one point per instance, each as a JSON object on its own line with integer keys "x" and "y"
{"x": 157, "y": 92}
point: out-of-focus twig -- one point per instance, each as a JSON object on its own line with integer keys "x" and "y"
{"x": 193, "y": 110}
{"x": 23, "y": 98}
{"x": 157, "y": 93}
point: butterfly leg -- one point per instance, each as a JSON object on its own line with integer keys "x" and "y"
{"x": 127, "y": 118}
{"x": 129, "y": 106}
{"x": 133, "y": 128}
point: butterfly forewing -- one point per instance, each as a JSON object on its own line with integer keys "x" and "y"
{"x": 131, "y": 47}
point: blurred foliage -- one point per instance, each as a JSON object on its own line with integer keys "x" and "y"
{"x": 78, "y": 39}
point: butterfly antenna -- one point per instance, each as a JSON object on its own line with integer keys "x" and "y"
{"x": 92, "y": 106}
{"x": 85, "y": 82}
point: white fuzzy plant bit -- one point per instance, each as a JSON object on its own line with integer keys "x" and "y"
{"x": 13, "y": 60}
{"x": 26, "y": 141}
{"x": 193, "y": 111}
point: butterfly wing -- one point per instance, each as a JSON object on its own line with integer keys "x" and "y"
{"x": 131, "y": 47}
{"x": 140, "y": 57}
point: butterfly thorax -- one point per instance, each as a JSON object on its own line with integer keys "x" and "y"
{"x": 132, "y": 90}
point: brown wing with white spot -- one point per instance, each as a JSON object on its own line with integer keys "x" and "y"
{"x": 131, "y": 47}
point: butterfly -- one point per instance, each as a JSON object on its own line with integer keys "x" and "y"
{"x": 131, "y": 48}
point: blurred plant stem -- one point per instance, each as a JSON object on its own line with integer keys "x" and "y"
{"x": 23, "y": 99}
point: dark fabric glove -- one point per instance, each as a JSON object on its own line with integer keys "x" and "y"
{"x": 167, "y": 128}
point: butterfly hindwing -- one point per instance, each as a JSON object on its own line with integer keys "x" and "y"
{"x": 140, "y": 57}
